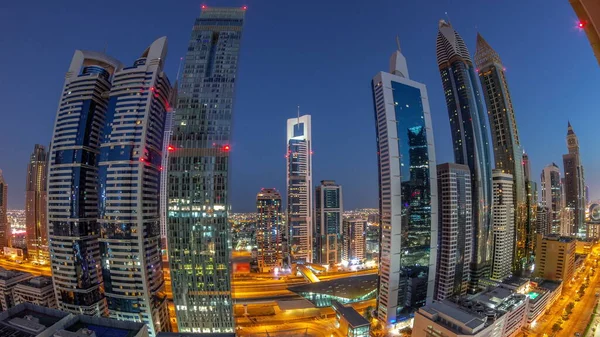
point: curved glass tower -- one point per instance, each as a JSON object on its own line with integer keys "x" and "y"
{"x": 35, "y": 206}
{"x": 129, "y": 185}
{"x": 199, "y": 235}
{"x": 469, "y": 138}
{"x": 407, "y": 193}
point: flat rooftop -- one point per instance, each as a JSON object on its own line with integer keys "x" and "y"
{"x": 39, "y": 282}
{"x": 103, "y": 327}
{"x": 28, "y": 320}
{"x": 349, "y": 287}
{"x": 351, "y": 316}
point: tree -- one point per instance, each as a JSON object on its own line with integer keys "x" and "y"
{"x": 570, "y": 307}
{"x": 582, "y": 289}
{"x": 556, "y": 327}
{"x": 369, "y": 313}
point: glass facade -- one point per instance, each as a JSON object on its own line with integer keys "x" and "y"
{"x": 470, "y": 139}
{"x": 35, "y": 206}
{"x": 199, "y": 237}
{"x": 269, "y": 229}
{"x": 328, "y": 223}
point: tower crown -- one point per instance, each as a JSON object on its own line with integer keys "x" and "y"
{"x": 485, "y": 54}
{"x": 450, "y": 46}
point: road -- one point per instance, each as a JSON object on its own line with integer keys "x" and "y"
{"x": 26, "y": 267}
{"x": 583, "y": 309}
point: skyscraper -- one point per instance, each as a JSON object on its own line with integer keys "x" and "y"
{"x": 4, "y": 225}
{"x": 269, "y": 230}
{"x": 542, "y": 221}
{"x": 199, "y": 236}
{"x": 552, "y": 197}
{"x": 327, "y": 231}
{"x": 588, "y": 12}
{"x": 469, "y": 138}
{"x": 407, "y": 192}
{"x": 531, "y": 191}
{"x": 504, "y": 224}
{"x": 354, "y": 241}
{"x": 299, "y": 189}
{"x": 455, "y": 215}
{"x": 35, "y": 206}
{"x": 73, "y": 228}
{"x": 129, "y": 187}
{"x": 164, "y": 178}
{"x": 505, "y": 140}
{"x": 574, "y": 183}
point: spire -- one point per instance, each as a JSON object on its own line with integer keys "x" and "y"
{"x": 485, "y": 54}
{"x": 450, "y": 46}
{"x": 570, "y": 129}
{"x": 398, "y": 64}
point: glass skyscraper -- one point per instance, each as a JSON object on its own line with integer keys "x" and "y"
{"x": 328, "y": 223}
{"x": 4, "y": 225}
{"x": 470, "y": 142}
{"x": 129, "y": 168}
{"x": 574, "y": 185}
{"x": 269, "y": 230}
{"x": 407, "y": 193}
{"x": 73, "y": 229}
{"x": 35, "y": 206}
{"x": 508, "y": 154}
{"x": 199, "y": 236}
{"x": 299, "y": 189}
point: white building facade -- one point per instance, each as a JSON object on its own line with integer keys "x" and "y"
{"x": 503, "y": 221}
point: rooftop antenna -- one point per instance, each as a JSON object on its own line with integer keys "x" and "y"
{"x": 298, "y": 113}
{"x": 398, "y": 42}
{"x": 179, "y": 68}
{"x": 105, "y": 47}
{"x": 447, "y": 17}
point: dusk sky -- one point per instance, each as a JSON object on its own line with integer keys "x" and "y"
{"x": 321, "y": 55}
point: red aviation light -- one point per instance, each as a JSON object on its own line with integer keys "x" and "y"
{"x": 171, "y": 148}
{"x": 226, "y": 148}
{"x": 203, "y": 6}
{"x": 244, "y": 7}
{"x": 581, "y": 24}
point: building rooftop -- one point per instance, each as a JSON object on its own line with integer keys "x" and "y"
{"x": 28, "y": 320}
{"x": 77, "y": 326}
{"x": 7, "y": 275}
{"x": 348, "y": 288}
{"x": 38, "y": 282}
{"x": 351, "y": 316}
{"x": 180, "y": 334}
{"x": 557, "y": 237}
{"x": 549, "y": 285}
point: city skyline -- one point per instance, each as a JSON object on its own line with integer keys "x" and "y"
{"x": 359, "y": 192}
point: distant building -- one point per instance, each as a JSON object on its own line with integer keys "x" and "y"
{"x": 455, "y": 228}
{"x": 344, "y": 290}
{"x": 574, "y": 184}
{"x": 372, "y": 241}
{"x": 407, "y": 193}
{"x": 503, "y": 209}
{"x": 495, "y": 312}
{"x": 593, "y": 225}
{"x": 327, "y": 231}
{"x": 542, "y": 226}
{"x": 4, "y": 224}
{"x": 299, "y": 189}
{"x": 353, "y": 239}
{"x": 35, "y": 206}
{"x": 555, "y": 257}
{"x": 8, "y": 280}
{"x": 269, "y": 230}
{"x": 588, "y": 12}
{"x": 552, "y": 198}
{"x": 38, "y": 290}
{"x": 531, "y": 190}
{"x": 164, "y": 177}
{"x": 349, "y": 322}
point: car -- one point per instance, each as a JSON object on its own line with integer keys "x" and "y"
{"x": 578, "y": 334}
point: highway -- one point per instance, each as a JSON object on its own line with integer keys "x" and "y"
{"x": 26, "y": 267}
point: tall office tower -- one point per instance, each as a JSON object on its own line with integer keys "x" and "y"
{"x": 531, "y": 199}
{"x": 407, "y": 192}
{"x": 542, "y": 225}
{"x": 455, "y": 217}
{"x": 587, "y": 195}
{"x": 574, "y": 183}
{"x": 588, "y": 12}
{"x": 4, "y": 224}
{"x": 327, "y": 231}
{"x": 199, "y": 236}
{"x": 552, "y": 197}
{"x": 73, "y": 228}
{"x": 269, "y": 230}
{"x": 354, "y": 240}
{"x": 164, "y": 178}
{"x": 35, "y": 206}
{"x": 129, "y": 187}
{"x": 470, "y": 139}
{"x": 508, "y": 154}
{"x": 299, "y": 189}
{"x": 504, "y": 224}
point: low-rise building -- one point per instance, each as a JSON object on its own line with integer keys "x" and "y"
{"x": 350, "y": 322}
{"x": 542, "y": 295}
{"x": 495, "y": 312}
{"x": 8, "y": 280}
{"x": 38, "y": 290}
{"x": 29, "y": 320}
{"x": 554, "y": 257}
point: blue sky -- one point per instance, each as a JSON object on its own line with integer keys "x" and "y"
{"x": 321, "y": 55}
